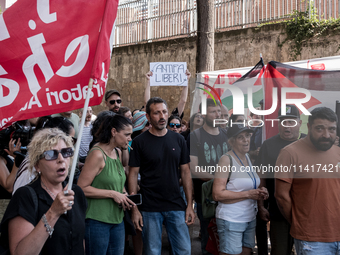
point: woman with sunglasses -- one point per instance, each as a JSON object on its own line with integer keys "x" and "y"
{"x": 174, "y": 124}
{"x": 102, "y": 180}
{"x": 237, "y": 193}
{"x": 24, "y": 176}
{"x": 43, "y": 217}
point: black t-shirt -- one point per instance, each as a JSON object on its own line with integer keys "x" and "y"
{"x": 186, "y": 133}
{"x": 176, "y": 113}
{"x": 209, "y": 149}
{"x": 69, "y": 230}
{"x": 159, "y": 159}
{"x": 268, "y": 155}
{"x": 256, "y": 138}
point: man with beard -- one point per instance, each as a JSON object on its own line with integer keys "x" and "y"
{"x": 308, "y": 195}
{"x": 113, "y": 100}
{"x": 281, "y": 240}
{"x": 207, "y": 145}
{"x": 162, "y": 158}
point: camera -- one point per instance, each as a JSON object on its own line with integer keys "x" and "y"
{"x": 16, "y": 131}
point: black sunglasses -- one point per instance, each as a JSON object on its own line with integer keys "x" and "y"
{"x": 53, "y": 154}
{"x": 119, "y": 101}
{"x": 172, "y": 125}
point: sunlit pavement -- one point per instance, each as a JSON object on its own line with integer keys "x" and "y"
{"x": 195, "y": 241}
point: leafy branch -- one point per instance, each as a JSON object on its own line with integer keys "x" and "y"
{"x": 300, "y": 28}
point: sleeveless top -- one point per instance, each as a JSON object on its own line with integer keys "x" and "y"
{"x": 240, "y": 180}
{"x": 112, "y": 177}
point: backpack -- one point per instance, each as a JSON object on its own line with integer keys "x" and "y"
{"x": 4, "y": 245}
{"x": 208, "y": 204}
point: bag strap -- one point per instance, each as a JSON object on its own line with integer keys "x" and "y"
{"x": 197, "y": 133}
{"x": 231, "y": 165}
{"x": 224, "y": 131}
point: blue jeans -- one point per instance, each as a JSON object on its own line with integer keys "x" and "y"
{"x": 177, "y": 229}
{"x": 204, "y": 229}
{"x": 316, "y": 248}
{"x": 103, "y": 238}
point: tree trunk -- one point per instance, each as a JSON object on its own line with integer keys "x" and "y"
{"x": 205, "y": 35}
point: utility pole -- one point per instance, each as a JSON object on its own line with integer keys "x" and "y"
{"x": 205, "y": 35}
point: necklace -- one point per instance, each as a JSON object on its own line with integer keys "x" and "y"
{"x": 48, "y": 191}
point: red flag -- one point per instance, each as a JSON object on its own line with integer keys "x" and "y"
{"x": 48, "y": 53}
{"x": 322, "y": 85}
{"x": 102, "y": 59}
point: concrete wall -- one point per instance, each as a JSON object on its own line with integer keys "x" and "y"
{"x": 233, "y": 49}
{"x": 3, "y": 5}
{"x": 130, "y": 64}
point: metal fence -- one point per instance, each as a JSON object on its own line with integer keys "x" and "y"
{"x": 150, "y": 20}
{"x": 144, "y": 20}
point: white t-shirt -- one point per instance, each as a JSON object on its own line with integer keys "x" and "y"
{"x": 246, "y": 210}
{"x": 24, "y": 176}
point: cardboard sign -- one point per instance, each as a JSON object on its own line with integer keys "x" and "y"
{"x": 168, "y": 74}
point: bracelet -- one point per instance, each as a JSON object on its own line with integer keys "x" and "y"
{"x": 49, "y": 229}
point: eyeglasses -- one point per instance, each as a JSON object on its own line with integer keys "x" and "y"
{"x": 199, "y": 116}
{"x": 172, "y": 125}
{"x": 53, "y": 154}
{"x": 119, "y": 101}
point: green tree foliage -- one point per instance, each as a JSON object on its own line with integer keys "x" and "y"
{"x": 300, "y": 28}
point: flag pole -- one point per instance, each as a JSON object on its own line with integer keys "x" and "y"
{"x": 264, "y": 101}
{"x": 80, "y": 133}
{"x": 105, "y": 38}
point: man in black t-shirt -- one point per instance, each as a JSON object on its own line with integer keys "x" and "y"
{"x": 207, "y": 145}
{"x": 161, "y": 157}
{"x": 281, "y": 240}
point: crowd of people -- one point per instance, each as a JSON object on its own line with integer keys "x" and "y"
{"x": 167, "y": 160}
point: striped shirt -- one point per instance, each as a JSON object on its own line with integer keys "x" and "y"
{"x": 86, "y": 139}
